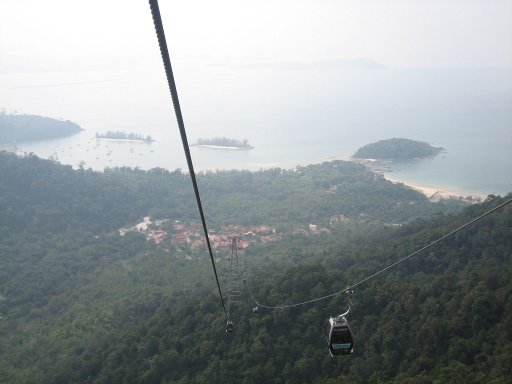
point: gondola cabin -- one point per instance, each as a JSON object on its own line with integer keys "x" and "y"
{"x": 229, "y": 326}
{"x": 339, "y": 336}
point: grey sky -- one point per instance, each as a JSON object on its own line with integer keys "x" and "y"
{"x": 60, "y": 35}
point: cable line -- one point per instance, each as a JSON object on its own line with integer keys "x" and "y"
{"x": 289, "y": 305}
{"x": 157, "y": 20}
{"x": 351, "y": 287}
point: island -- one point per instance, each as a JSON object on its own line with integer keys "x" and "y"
{"x": 396, "y": 149}
{"x": 223, "y": 143}
{"x": 123, "y": 136}
{"x": 16, "y": 128}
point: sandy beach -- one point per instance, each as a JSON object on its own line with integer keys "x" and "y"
{"x": 128, "y": 140}
{"x": 218, "y": 147}
{"x": 438, "y": 192}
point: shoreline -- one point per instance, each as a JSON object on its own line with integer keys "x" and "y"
{"x": 431, "y": 191}
{"x": 211, "y": 146}
{"x": 131, "y": 140}
{"x": 436, "y": 193}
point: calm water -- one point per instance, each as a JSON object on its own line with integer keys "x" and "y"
{"x": 290, "y": 116}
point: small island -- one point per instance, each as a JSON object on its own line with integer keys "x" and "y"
{"x": 122, "y": 136}
{"x": 16, "y": 128}
{"x": 397, "y": 149}
{"x": 223, "y": 143}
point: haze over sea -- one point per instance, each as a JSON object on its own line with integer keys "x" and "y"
{"x": 292, "y": 114}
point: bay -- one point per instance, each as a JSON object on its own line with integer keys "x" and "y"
{"x": 291, "y": 117}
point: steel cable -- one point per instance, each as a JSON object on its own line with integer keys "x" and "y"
{"x": 157, "y": 20}
{"x": 351, "y": 287}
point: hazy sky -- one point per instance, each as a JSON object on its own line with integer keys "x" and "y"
{"x": 61, "y": 35}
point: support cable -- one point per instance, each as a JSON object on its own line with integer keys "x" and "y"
{"x": 157, "y": 20}
{"x": 351, "y": 287}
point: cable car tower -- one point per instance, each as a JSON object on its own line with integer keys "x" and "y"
{"x": 235, "y": 273}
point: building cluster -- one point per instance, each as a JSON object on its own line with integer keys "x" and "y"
{"x": 147, "y": 228}
{"x": 191, "y": 234}
{"x": 338, "y": 218}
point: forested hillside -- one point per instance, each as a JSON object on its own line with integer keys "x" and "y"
{"x": 443, "y": 317}
{"x": 16, "y": 128}
{"x": 80, "y": 303}
{"x": 39, "y": 195}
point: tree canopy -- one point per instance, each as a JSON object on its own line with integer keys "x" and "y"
{"x": 396, "y": 149}
{"x": 80, "y": 303}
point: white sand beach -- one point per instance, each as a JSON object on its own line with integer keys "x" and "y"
{"x": 438, "y": 192}
{"x": 219, "y": 147}
{"x": 128, "y": 140}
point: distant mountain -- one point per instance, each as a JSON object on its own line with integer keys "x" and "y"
{"x": 360, "y": 63}
{"x": 32, "y": 127}
{"x": 396, "y": 149}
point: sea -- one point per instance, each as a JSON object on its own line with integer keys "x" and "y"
{"x": 290, "y": 116}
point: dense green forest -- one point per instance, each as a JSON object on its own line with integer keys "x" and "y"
{"x": 40, "y": 195}
{"x": 80, "y": 303}
{"x": 16, "y": 128}
{"x": 396, "y": 149}
{"x": 444, "y": 317}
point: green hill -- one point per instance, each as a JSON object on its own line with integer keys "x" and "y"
{"x": 16, "y": 128}
{"x": 396, "y": 149}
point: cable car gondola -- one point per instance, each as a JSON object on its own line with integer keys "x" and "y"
{"x": 229, "y": 326}
{"x": 338, "y": 335}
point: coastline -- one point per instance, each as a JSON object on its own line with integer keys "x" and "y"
{"x": 435, "y": 193}
{"x": 131, "y": 140}
{"x": 218, "y": 147}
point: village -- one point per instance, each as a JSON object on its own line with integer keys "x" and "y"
{"x": 184, "y": 236}
{"x": 181, "y": 235}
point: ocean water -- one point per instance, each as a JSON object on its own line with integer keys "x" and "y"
{"x": 291, "y": 117}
